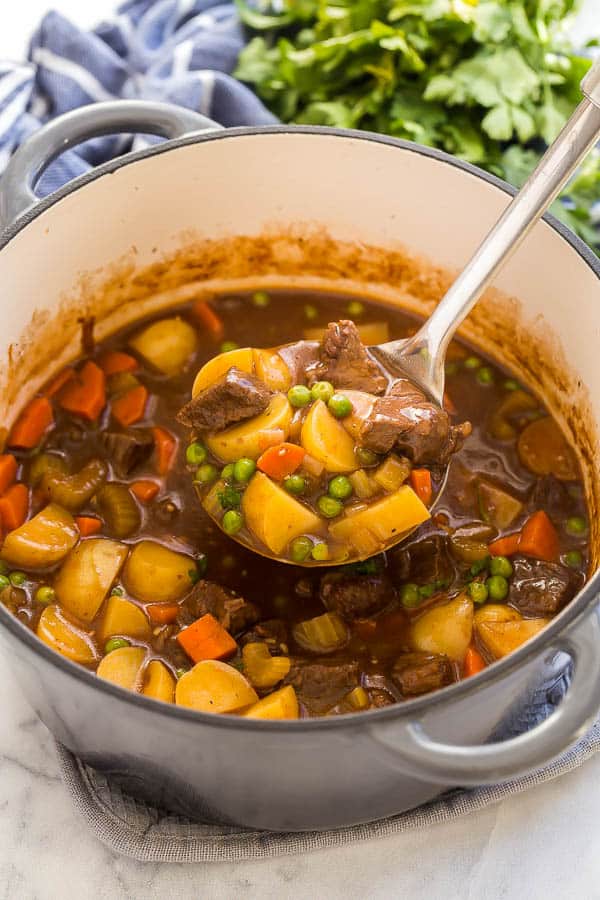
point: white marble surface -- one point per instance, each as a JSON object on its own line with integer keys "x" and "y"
{"x": 543, "y": 844}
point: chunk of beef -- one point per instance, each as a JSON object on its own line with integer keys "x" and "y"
{"x": 272, "y": 632}
{"x": 234, "y": 613}
{"x": 127, "y": 450}
{"x": 552, "y": 495}
{"x": 323, "y": 681}
{"x": 356, "y": 596}
{"x": 419, "y": 673}
{"x": 540, "y": 588}
{"x": 345, "y": 362}
{"x": 299, "y": 358}
{"x": 423, "y": 560}
{"x": 234, "y": 397}
{"x": 406, "y": 419}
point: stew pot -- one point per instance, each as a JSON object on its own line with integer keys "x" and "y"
{"x": 361, "y": 190}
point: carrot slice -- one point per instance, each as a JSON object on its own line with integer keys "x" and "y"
{"x": 130, "y": 407}
{"x": 8, "y": 471}
{"x": 32, "y": 424}
{"x": 420, "y": 480}
{"x": 88, "y": 525}
{"x": 113, "y": 361}
{"x": 474, "y": 662}
{"x": 505, "y": 546}
{"x": 166, "y": 447}
{"x": 145, "y": 491}
{"x": 59, "y": 381}
{"x": 281, "y": 460}
{"x": 14, "y": 505}
{"x": 539, "y": 537}
{"x": 208, "y": 317}
{"x": 85, "y": 395}
{"x": 162, "y": 613}
{"x": 206, "y": 639}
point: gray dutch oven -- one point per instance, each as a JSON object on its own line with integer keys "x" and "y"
{"x": 365, "y": 192}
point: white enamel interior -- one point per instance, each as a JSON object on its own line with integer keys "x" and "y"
{"x": 241, "y": 184}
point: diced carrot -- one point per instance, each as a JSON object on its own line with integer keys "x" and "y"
{"x": 505, "y": 546}
{"x": 145, "y": 491}
{"x": 59, "y": 381}
{"x": 270, "y": 437}
{"x": 539, "y": 537}
{"x": 206, "y": 639}
{"x": 8, "y": 471}
{"x": 113, "y": 361}
{"x": 14, "y": 505}
{"x": 474, "y": 662}
{"x": 206, "y": 315}
{"x": 88, "y": 525}
{"x": 130, "y": 407}
{"x": 85, "y": 395}
{"x": 32, "y": 424}
{"x": 420, "y": 480}
{"x": 448, "y": 404}
{"x": 162, "y": 613}
{"x": 281, "y": 460}
{"x": 166, "y": 447}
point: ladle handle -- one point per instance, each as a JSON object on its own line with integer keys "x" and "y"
{"x": 563, "y": 156}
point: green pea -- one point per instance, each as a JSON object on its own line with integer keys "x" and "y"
{"x": 497, "y": 587}
{"x": 299, "y": 395}
{"x": 227, "y": 472}
{"x": 340, "y": 487}
{"x": 206, "y": 474}
{"x": 426, "y": 591}
{"x": 115, "y": 644}
{"x": 4, "y": 582}
{"x": 409, "y": 595}
{"x": 244, "y": 469}
{"x": 339, "y": 406}
{"x": 451, "y": 368}
{"x": 196, "y": 454}
{"x": 45, "y": 595}
{"x": 355, "y": 308}
{"x": 478, "y": 592}
{"x": 261, "y": 299}
{"x": 320, "y": 551}
{"x": 576, "y": 525}
{"x": 511, "y": 385}
{"x": 472, "y": 362}
{"x": 329, "y": 506}
{"x": 485, "y": 375}
{"x": 181, "y": 672}
{"x": 117, "y": 592}
{"x": 294, "y": 484}
{"x": 300, "y": 549}
{"x": 226, "y": 346}
{"x": 500, "y": 565}
{"x": 365, "y": 457}
{"x": 311, "y": 312}
{"x": 17, "y": 578}
{"x": 479, "y": 565}
{"x": 573, "y": 558}
{"x": 322, "y": 390}
{"x": 232, "y": 521}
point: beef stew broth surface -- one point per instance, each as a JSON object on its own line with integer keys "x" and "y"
{"x": 109, "y": 556}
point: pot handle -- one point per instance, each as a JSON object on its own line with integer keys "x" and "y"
{"x": 25, "y": 168}
{"x": 425, "y": 758}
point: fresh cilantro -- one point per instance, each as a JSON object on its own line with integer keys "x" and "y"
{"x": 229, "y": 498}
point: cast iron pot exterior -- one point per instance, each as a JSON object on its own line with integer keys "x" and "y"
{"x": 309, "y": 774}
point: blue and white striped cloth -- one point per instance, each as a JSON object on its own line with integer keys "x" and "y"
{"x": 179, "y": 51}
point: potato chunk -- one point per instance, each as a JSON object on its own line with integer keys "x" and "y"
{"x": 501, "y": 638}
{"x": 87, "y": 575}
{"x": 281, "y": 704}
{"x": 42, "y": 541}
{"x": 245, "y": 439}
{"x": 213, "y": 686}
{"x": 270, "y": 368}
{"x": 159, "y": 683}
{"x": 274, "y": 516}
{"x": 156, "y": 574}
{"x": 445, "y": 629}
{"x": 371, "y": 528}
{"x": 242, "y": 358}
{"x": 496, "y": 612}
{"x": 65, "y": 637}
{"x": 123, "y": 617}
{"x": 122, "y": 667}
{"x": 167, "y": 345}
{"x": 326, "y": 439}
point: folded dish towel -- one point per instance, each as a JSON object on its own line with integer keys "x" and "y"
{"x": 178, "y": 52}
{"x": 138, "y": 830}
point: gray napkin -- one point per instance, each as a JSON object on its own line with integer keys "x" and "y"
{"x": 138, "y": 830}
